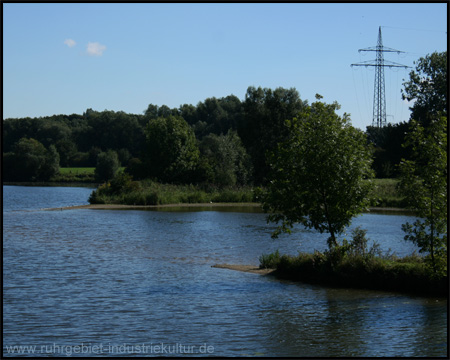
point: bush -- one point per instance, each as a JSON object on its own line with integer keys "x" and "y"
{"x": 107, "y": 166}
{"x": 347, "y": 269}
{"x": 269, "y": 261}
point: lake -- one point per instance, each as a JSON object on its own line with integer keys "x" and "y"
{"x": 89, "y": 282}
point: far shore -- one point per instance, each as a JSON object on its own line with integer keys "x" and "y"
{"x": 208, "y": 206}
{"x": 148, "y": 207}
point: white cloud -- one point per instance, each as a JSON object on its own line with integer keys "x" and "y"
{"x": 95, "y": 49}
{"x": 70, "y": 42}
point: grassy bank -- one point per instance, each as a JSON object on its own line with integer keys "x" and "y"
{"x": 386, "y": 194}
{"x": 75, "y": 175}
{"x": 151, "y": 193}
{"x": 348, "y": 266}
{"x": 123, "y": 190}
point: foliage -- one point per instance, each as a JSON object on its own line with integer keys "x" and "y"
{"x": 76, "y": 170}
{"x": 428, "y": 88}
{"x": 171, "y": 153}
{"x": 225, "y": 160}
{"x": 107, "y": 166}
{"x": 262, "y": 127}
{"x": 122, "y": 190}
{"x": 385, "y": 194}
{"x": 424, "y": 185}
{"x": 136, "y": 168}
{"x": 342, "y": 266}
{"x": 85, "y": 175}
{"x": 76, "y": 135}
{"x": 259, "y": 121}
{"x": 319, "y": 175}
{"x": 389, "y": 151}
{"x": 30, "y": 161}
{"x": 269, "y": 261}
{"x": 51, "y": 163}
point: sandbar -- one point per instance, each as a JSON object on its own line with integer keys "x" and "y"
{"x": 245, "y": 268}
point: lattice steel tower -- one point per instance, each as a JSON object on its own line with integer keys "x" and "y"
{"x": 379, "y": 96}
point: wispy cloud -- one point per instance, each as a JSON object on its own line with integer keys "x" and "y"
{"x": 70, "y": 42}
{"x": 95, "y": 49}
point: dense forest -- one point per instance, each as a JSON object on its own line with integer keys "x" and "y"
{"x": 223, "y": 141}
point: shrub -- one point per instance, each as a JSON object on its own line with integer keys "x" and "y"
{"x": 107, "y": 166}
{"x": 269, "y": 261}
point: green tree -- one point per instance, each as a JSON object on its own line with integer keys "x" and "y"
{"x": 171, "y": 152}
{"x": 107, "y": 166}
{"x": 319, "y": 174}
{"x": 31, "y": 161}
{"x": 262, "y": 127}
{"x": 226, "y": 157}
{"x": 50, "y": 167}
{"x": 389, "y": 151}
{"x": 424, "y": 184}
{"x": 428, "y": 88}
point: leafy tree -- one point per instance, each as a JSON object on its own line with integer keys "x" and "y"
{"x": 424, "y": 184}
{"x": 389, "y": 151}
{"x": 50, "y": 166}
{"x": 188, "y": 113}
{"x": 31, "y": 161}
{"x": 107, "y": 166}
{"x": 262, "y": 127}
{"x": 211, "y": 113}
{"x": 154, "y": 111}
{"x": 171, "y": 151}
{"x": 428, "y": 88}
{"x": 136, "y": 168}
{"x": 67, "y": 150}
{"x": 124, "y": 156}
{"x": 51, "y": 131}
{"x": 319, "y": 173}
{"x": 226, "y": 158}
{"x": 93, "y": 155}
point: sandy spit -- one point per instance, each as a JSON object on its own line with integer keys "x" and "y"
{"x": 245, "y": 268}
{"x": 143, "y": 207}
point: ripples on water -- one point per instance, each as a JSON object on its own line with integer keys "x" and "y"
{"x": 123, "y": 279}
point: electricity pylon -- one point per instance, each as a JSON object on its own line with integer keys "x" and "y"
{"x": 379, "y": 96}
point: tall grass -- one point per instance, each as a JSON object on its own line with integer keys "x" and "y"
{"x": 147, "y": 192}
{"x": 353, "y": 265}
{"x": 386, "y": 194}
{"x": 76, "y": 170}
{"x": 152, "y": 193}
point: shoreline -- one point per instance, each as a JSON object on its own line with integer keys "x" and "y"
{"x": 245, "y": 268}
{"x": 202, "y": 205}
{"x": 336, "y": 282}
{"x": 148, "y": 207}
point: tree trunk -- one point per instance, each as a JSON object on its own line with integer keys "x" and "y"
{"x": 433, "y": 262}
{"x": 332, "y": 240}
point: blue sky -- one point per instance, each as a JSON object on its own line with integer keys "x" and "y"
{"x": 65, "y": 58}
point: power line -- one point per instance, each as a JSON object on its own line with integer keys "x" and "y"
{"x": 379, "y": 96}
{"x": 401, "y": 28}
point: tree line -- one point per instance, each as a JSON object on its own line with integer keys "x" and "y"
{"x": 224, "y": 141}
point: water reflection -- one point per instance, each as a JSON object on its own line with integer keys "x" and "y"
{"x": 337, "y": 322}
{"x": 133, "y": 277}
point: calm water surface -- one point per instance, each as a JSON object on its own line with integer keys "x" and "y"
{"x": 133, "y": 283}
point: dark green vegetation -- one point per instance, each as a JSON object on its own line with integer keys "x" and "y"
{"x": 75, "y": 174}
{"x": 352, "y": 264}
{"x": 122, "y": 190}
{"x": 320, "y": 176}
{"x": 147, "y": 192}
{"x": 424, "y": 184}
{"x": 224, "y": 141}
{"x": 311, "y": 165}
{"x": 322, "y": 185}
